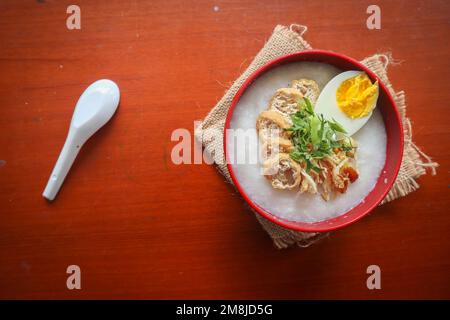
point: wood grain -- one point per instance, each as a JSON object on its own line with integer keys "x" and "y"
{"x": 140, "y": 226}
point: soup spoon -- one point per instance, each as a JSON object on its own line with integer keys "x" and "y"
{"x": 94, "y": 108}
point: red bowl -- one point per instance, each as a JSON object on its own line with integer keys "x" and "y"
{"x": 394, "y": 147}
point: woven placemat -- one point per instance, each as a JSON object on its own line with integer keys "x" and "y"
{"x": 285, "y": 40}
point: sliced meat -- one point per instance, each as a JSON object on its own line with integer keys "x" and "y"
{"x": 308, "y": 88}
{"x": 282, "y": 171}
{"x": 285, "y": 101}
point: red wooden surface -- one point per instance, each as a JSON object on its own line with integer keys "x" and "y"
{"x": 140, "y": 226}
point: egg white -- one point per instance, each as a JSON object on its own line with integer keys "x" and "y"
{"x": 327, "y": 104}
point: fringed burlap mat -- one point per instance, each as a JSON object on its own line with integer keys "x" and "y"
{"x": 283, "y": 41}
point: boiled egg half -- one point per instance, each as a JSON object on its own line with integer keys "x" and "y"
{"x": 349, "y": 98}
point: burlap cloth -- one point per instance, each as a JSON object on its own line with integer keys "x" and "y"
{"x": 285, "y": 40}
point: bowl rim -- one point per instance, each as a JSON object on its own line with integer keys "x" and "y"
{"x": 316, "y": 226}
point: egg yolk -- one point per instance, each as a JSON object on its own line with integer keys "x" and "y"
{"x": 356, "y": 96}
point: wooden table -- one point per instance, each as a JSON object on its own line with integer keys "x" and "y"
{"x": 141, "y": 227}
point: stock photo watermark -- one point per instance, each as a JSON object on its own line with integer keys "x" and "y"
{"x": 374, "y": 280}
{"x": 73, "y": 21}
{"x": 74, "y": 279}
{"x": 242, "y": 145}
{"x": 373, "y": 22}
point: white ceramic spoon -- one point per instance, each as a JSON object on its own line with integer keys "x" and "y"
{"x": 95, "y": 107}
